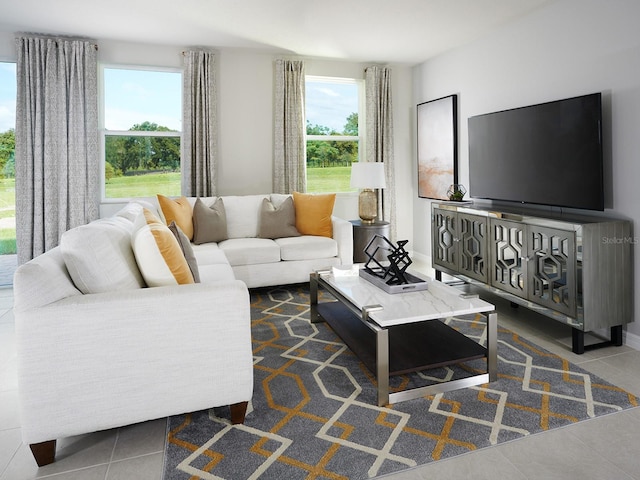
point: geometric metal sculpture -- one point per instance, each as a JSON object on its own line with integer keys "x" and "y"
{"x": 395, "y": 272}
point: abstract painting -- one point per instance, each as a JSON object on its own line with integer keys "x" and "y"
{"x": 437, "y": 147}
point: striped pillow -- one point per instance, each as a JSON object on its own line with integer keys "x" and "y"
{"x": 158, "y": 253}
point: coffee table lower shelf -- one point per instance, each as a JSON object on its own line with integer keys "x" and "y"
{"x": 403, "y": 349}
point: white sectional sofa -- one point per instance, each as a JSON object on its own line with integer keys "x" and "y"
{"x": 260, "y": 262}
{"x": 98, "y": 350}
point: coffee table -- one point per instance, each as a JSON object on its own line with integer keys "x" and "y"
{"x": 398, "y": 333}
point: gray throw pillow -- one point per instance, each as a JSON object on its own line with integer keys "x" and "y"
{"x": 209, "y": 223}
{"x": 277, "y": 222}
{"x": 187, "y": 251}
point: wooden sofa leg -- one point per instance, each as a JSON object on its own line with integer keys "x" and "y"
{"x": 44, "y": 453}
{"x": 238, "y": 411}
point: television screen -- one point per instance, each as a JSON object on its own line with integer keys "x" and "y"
{"x": 547, "y": 154}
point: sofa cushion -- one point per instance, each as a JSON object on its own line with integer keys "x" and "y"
{"x": 243, "y": 213}
{"x": 279, "y": 198}
{"x": 313, "y": 213}
{"x": 250, "y": 251}
{"x": 187, "y": 250}
{"x": 307, "y": 247}
{"x": 177, "y": 210}
{"x": 158, "y": 253}
{"x": 99, "y": 256}
{"x": 277, "y": 222}
{"x": 132, "y": 209}
{"x": 208, "y": 253}
{"x": 219, "y": 272}
{"x": 209, "y": 222}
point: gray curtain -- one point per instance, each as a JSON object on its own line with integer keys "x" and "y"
{"x": 57, "y": 162}
{"x": 290, "y": 163}
{"x": 379, "y": 118}
{"x": 199, "y": 125}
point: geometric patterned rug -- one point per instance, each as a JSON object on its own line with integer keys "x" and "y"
{"x": 314, "y": 415}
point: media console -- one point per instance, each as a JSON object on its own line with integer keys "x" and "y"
{"x": 575, "y": 269}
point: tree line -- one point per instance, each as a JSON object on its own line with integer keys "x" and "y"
{"x": 332, "y": 153}
{"x": 130, "y": 155}
{"x": 126, "y": 155}
{"x": 7, "y": 154}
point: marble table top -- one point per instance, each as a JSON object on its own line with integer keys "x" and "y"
{"x": 437, "y": 301}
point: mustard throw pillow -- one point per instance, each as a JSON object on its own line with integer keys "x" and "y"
{"x": 177, "y": 210}
{"x": 313, "y": 213}
{"x": 158, "y": 253}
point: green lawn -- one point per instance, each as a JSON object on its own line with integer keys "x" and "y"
{"x": 319, "y": 180}
{"x": 7, "y": 193}
{"x": 329, "y": 179}
{"x": 143, "y": 185}
{"x": 7, "y": 210}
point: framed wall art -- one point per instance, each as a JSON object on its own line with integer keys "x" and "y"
{"x": 437, "y": 122}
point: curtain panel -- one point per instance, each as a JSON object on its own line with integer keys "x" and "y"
{"x": 379, "y": 128}
{"x": 290, "y": 162}
{"x": 57, "y": 162}
{"x": 199, "y": 125}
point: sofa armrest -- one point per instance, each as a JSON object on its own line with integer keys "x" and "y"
{"x": 98, "y": 361}
{"x": 343, "y": 235}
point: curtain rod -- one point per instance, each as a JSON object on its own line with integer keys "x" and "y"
{"x": 204, "y": 50}
{"x": 56, "y": 37}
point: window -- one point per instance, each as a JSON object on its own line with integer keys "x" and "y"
{"x": 141, "y": 131}
{"x": 7, "y": 158}
{"x": 334, "y": 111}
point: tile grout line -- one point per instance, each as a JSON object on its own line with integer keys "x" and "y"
{"x": 113, "y": 452}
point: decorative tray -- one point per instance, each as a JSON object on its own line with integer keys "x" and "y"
{"x": 415, "y": 284}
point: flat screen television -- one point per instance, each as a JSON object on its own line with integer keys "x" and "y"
{"x": 545, "y": 154}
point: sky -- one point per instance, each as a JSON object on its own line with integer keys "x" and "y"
{"x": 135, "y": 96}
{"x": 329, "y": 103}
{"x": 7, "y": 96}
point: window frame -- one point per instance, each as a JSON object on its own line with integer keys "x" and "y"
{"x": 103, "y": 132}
{"x": 361, "y": 137}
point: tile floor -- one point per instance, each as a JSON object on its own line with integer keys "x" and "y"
{"x": 603, "y": 448}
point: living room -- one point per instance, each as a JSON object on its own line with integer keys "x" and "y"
{"x": 561, "y": 49}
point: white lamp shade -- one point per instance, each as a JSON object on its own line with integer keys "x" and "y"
{"x": 367, "y": 175}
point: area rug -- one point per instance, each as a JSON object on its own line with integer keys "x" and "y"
{"x": 314, "y": 416}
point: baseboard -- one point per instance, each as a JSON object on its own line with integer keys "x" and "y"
{"x": 421, "y": 262}
{"x": 632, "y": 340}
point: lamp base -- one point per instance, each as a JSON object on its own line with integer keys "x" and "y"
{"x": 368, "y": 206}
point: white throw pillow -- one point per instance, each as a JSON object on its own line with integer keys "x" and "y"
{"x": 99, "y": 257}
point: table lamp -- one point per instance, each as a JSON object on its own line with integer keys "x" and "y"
{"x": 367, "y": 176}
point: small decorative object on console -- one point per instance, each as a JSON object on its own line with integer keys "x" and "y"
{"x": 456, "y": 192}
{"x": 392, "y": 278}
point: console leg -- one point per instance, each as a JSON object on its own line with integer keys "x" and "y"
{"x": 238, "y": 412}
{"x": 577, "y": 337}
{"x": 438, "y": 275}
{"x": 44, "y": 453}
{"x": 616, "y": 335}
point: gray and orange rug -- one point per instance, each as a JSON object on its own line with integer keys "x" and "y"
{"x": 314, "y": 416}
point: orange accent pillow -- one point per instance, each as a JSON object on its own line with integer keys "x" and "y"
{"x": 313, "y": 213}
{"x": 177, "y": 210}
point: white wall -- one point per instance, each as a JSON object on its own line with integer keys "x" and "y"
{"x": 566, "y": 49}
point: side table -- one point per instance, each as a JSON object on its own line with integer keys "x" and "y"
{"x": 362, "y": 235}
